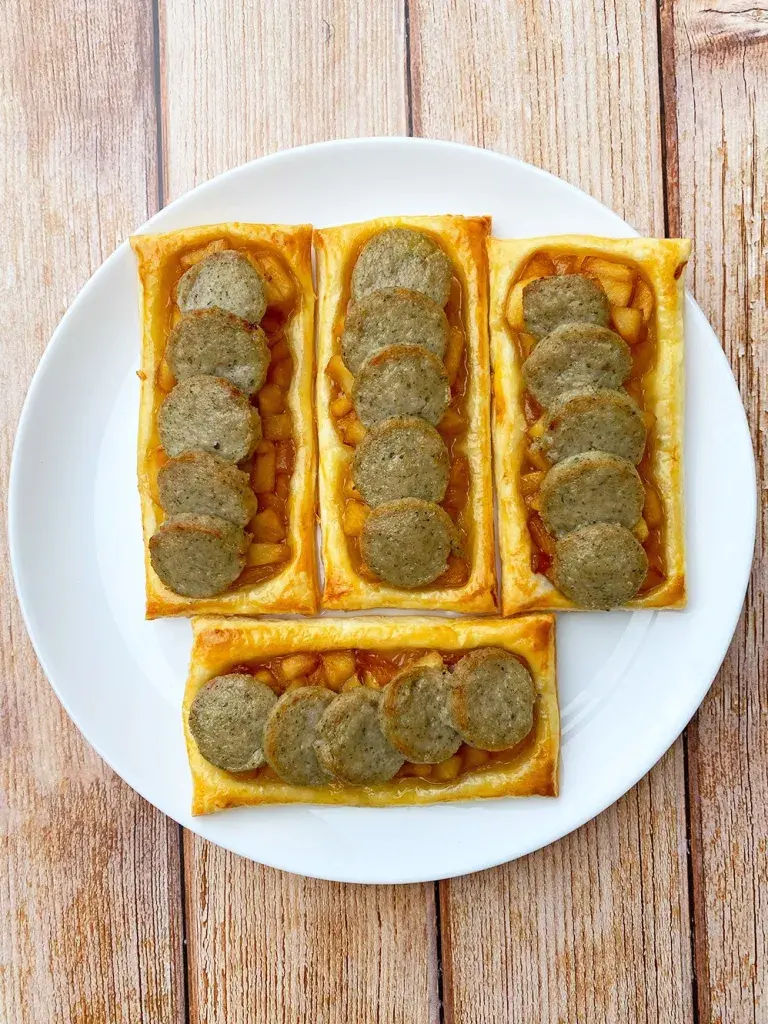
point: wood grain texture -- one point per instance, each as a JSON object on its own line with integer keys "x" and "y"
{"x": 571, "y": 86}
{"x": 595, "y": 928}
{"x": 245, "y": 79}
{"x": 90, "y": 898}
{"x": 716, "y": 81}
{"x": 241, "y": 80}
{"x": 266, "y": 946}
{"x": 592, "y": 929}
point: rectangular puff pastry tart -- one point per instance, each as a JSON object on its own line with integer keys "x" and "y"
{"x": 371, "y": 711}
{"x": 226, "y": 452}
{"x": 587, "y": 349}
{"x": 403, "y": 413}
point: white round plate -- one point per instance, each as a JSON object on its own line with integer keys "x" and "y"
{"x": 628, "y": 682}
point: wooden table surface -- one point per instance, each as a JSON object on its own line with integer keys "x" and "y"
{"x": 657, "y": 911}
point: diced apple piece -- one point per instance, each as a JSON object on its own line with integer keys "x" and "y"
{"x": 619, "y": 292}
{"x": 275, "y": 336}
{"x": 271, "y": 400}
{"x": 298, "y": 665}
{"x": 379, "y": 673}
{"x": 280, "y": 285}
{"x": 296, "y": 683}
{"x": 418, "y": 771}
{"x": 267, "y": 554}
{"x": 264, "y": 469}
{"x": 640, "y": 530}
{"x": 278, "y": 427}
{"x": 280, "y": 372}
{"x": 473, "y": 758}
{"x": 448, "y": 770}
{"x": 351, "y": 684}
{"x": 527, "y": 342}
{"x": 643, "y": 300}
{"x": 628, "y": 323}
{"x": 189, "y": 259}
{"x": 565, "y": 264}
{"x": 531, "y": 482}
{"x": 339, "y": 666}
{"x": 643, "y": 357}
{"x": 515, "y": 317}
{"x": 353, "y": 520}
{"x": 537, "y": 428}
{"x": 263, "y": 675}
{"x": 543, "y": 540}
{"x": 453, "y": 353}
{"x": 267, "y": 526}
{"x": 538, "y": 459}
{"x": 318, "y": 677}
{"x": 341, "y": 406}
{"x": 539, "y": 266}
{"x": 432, "y": 659}
{"x": 351, "y": 429}
{"x": 607, "y": 268}
{"x": 339, "y": 374}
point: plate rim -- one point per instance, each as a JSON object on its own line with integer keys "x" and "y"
{"x": 670, "y": 734}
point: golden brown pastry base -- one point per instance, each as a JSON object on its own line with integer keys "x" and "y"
{"x": 660, "y": 261}
{"x": 221, "y": 644}
{"x": 463, "y": 239}
{"x": 293, "y": 588}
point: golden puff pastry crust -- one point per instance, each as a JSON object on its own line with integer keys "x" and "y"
{"x": 294, "y": 587}
{"x": 221, "y": 645}
{"x": 464, "y": 240}
{"x": 661, "y": 263}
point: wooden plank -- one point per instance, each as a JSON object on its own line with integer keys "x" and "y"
{"x": 716, "y": 83}
{"x": 593, "y": 929}
{"x": 90, "y": 908}
{"x": 245, "y": 79}
{"x": 568, "y": 85}
{"x": 596, "y": 927}
{"x": 265, "y": 945}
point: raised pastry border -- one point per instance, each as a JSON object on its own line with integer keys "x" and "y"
{"x": 294, "y": 588}
{"x": 661, "y": 262}
{"x": 464, "y": 240}
{"x": 221, "y": 644}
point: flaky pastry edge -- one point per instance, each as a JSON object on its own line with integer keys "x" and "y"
{"x": 221, "y": 644}
{"x": 463, "y": 239}
{"x": 661, "y": 262}
{"x": 295, "y": 587}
